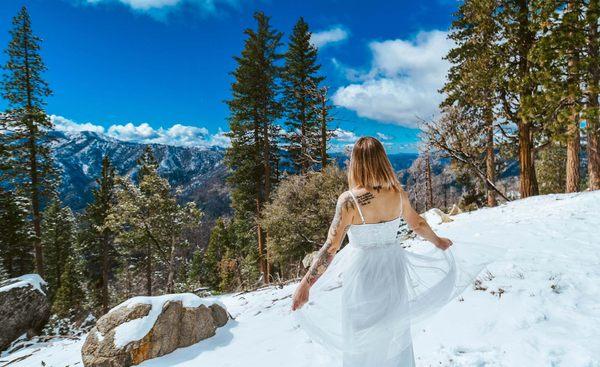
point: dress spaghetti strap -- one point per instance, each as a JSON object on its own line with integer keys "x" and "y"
{"x": 401, "y": 204}
{"x": 357, "y": 206}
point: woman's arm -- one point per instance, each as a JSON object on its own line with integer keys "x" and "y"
{"x": 337, "y": 230}
{"x": 420, "y": 225}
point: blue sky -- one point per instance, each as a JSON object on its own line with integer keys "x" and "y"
{"x": 158, "y": 70}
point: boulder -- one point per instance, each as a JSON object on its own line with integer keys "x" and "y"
{"x": 436, "y": 216}
{"x": 24, "y": 308}
{"x": 455, "y": 210}
{"x": 308, "y": 259}
{"x": 143, "y": 328}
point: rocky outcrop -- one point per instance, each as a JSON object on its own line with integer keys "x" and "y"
{"x": 24, "y": 308}
{"x": 436, "y": 216}
{"x": 143, "y": 328}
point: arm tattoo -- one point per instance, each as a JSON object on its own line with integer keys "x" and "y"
{"x": 327, "y": 251}
{"x": 320, "y": 263}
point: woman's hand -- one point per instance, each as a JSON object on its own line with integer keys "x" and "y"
{"x": 300, "y": 295}
{"x": 443, "y": 243}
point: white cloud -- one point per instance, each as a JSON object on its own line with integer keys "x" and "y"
{"x": 383, "y": 136}
{"x": 345, "y": 136}
{"x": 403, "y": 81}
{"x": 66, "y": 125}
{"x": 332, "y": 35}
{"x": 178, "y": 134}
{"x": 141, "y": 132}
{"x": 209, "y": 6}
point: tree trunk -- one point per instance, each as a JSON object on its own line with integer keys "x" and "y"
{"x": 323, "y": 128}
{"x": 35, "y": 203}
{"x": 149, "y": 269}
{"x": 593, "y": 152}
{"x": 528, "y": 180}
{"x": 171, "y": 275}
{"x": 267, "y": 194}
{"x": 105, "y": 273}
{"x": 490, "y": 164}
{"x": 573, "y": 145}
{"x": 428, "y": 182}
{"x": 593, "y": 123}
{"x": 573, "y": 162}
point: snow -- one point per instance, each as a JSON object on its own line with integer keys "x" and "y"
{"x": 136, "y": 329}
{"x": 535, "y": 307}
{"x": 27, "y": 280}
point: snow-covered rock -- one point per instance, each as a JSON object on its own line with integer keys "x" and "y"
{"x": 143, "y": 328}
{"x": 436, "y": 216}
{"x": 24, "y": 308}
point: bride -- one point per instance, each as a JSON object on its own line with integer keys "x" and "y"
{"x": 364, "y": 299}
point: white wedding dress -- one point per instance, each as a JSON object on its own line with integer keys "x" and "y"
{"x": 363, "y": 306}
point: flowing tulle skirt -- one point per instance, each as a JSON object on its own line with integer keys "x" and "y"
{"x": 363, "y": 306}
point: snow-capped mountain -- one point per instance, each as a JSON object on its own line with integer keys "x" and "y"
{"x": 199, "y": 172}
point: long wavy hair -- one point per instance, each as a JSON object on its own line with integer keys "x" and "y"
{"x": 370, "y": 167}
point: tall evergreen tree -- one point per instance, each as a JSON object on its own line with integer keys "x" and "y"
{"x": 300, "y": 77}
{"x": 253, "y": 156}
{"x": 518, "y": 34}
{"x": 217, "y": 245}
{"x": 323, "y": 115}
{"x": 15, "y": 234}
{"x": 559, "y": 99}
{"x": 473, "y": 78}
{"x": 69, "y": 296}
{"x": 58, "y": 226}
{"x": 97, "y": 239}
{"x": 25, "y": 89}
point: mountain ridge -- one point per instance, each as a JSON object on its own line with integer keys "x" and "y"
{"x": 198, "y": 171}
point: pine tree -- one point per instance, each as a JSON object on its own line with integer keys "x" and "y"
{"x": 69, "y": 296}
{"x": 196, "y": 267}
{"x": 149, "y": 223}
{"x": 253, "y": 156}
{"x": 15, "y": 235}
{"x": 299, "y": 78}
{"x": 473, "y": 78}
{"x": 559, "y": 99}
{"x": 323, "y": 115}
{"x": 58, "y": 226}
{"x": 518, "y": 84}
{"x": 217, "y": 245}
{"x": 25, "y": 89}
{"x": 97, "y": 239}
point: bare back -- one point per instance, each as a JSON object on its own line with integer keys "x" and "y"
{"x": 377, "y": 206}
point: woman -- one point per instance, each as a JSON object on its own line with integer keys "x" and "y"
{"x": 363, "y": 305}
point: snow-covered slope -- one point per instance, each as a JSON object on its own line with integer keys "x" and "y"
{"x": 537, "y": 306}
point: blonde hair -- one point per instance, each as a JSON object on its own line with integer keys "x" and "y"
{"x": 370, "y": 167}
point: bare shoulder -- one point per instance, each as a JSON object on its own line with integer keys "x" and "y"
{"x": 363, "y": 196}
{"x": 345, "y": 202}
